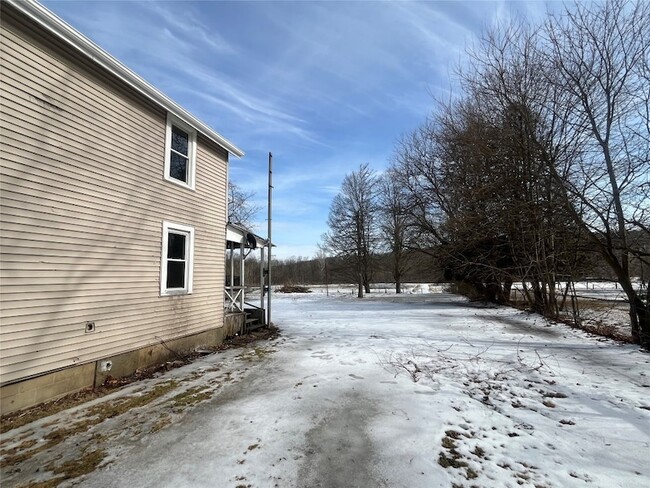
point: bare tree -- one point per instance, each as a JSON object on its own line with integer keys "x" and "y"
{"x": 506, "y": 77}
{"x": 597, "y": 57}
{"x": 241, "y": 209}
{"x": 548, "y": 145}
{"x": 418, "y": 168}
{"x": 352, "y": 224}
{"x": 394, "y": 224}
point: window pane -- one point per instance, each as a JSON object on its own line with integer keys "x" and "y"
{"x": 176, "y": 246}
{"x": 180, "y": 140}
{"x": 175, "y": 274}
{"x": 178, "y": 167}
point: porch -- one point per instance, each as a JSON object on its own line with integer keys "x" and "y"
{"x": 241, "y": 314}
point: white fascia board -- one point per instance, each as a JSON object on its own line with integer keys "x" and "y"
{"x": 234, "y": 235}
{"x": 55, "y": 25}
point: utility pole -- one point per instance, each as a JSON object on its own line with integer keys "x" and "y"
{"x": 270, "y": 242}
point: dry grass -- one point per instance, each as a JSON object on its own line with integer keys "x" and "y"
{"x": 118, "y": 407}
{"x": 255, "y": 353}
{"x": 593, "y": 318}
{"x": 27, "y": 416}
{"x": 191, "y": 396}
{"x": 78, "y": 467}
{"x": 163, "y": 421}
{"x": 23, "y": 417}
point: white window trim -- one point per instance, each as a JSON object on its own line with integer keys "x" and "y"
{"x": 191, "y": 170}
{"x": 189, "y": 254}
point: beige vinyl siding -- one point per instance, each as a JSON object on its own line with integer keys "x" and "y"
{"x": 83, "y": 201}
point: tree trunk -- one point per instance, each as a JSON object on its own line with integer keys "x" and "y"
{"x": 637, "y": 306}
{"x": 643, "y": 316}
{"x": 507, "y": 289}
{"x": 538, "y": 304}
{"x": 360, "y": 291}
{"x": 397, "y": 276}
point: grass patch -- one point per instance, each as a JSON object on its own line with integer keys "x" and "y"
{"x": 255, "y": 354}
{"x": 453, "y": 434}
{"x": 96, "y": 415}
{"x": 74, "y": 468}
{"x": 448, "y": 443}
{"x": 51, "y": 483}
{"x": 453, "y": 461}
{"x": 118, "y": 407}
{"x": 449, "y": 457}
{"x": 479, "y": 452}
{"x": 163, "y": 421}
{"x": 21, "y": 447}
{"x": 52, "y": 439}
{"x": 24, "y": 417}
{"x": 191, "y": 396}
{"x": 80, "y": 466}
{"x": 18, "y": 454}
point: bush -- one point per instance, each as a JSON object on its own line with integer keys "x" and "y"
{"x": 293, "y": 289}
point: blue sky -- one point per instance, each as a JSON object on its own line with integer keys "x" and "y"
{"x": 324, "y": 86}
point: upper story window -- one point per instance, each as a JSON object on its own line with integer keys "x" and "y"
{"x": 177, "y": 259}
{"x": 180, "y": 153}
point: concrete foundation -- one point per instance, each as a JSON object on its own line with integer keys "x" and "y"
{"x": 50, "y": 386}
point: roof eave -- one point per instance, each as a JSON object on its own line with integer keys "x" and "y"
{"x": 52, "y": 23}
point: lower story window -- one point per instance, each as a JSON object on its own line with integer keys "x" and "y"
{"x": 177, "y": 259}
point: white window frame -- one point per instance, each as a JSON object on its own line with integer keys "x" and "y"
{"x": 189, "y": 258}
{"x": 191, "y": 149}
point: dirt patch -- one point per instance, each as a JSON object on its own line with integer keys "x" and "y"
{"x": 292, "y": 289}
{"x": 24, "y": 417}
{"x": 266, "y": 333}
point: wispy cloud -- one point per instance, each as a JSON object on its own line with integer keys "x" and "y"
{"x": 325, "y": 86}
{"x": 187, "y": 23}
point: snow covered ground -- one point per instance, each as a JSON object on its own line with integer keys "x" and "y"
{"x": 419, "y": 390}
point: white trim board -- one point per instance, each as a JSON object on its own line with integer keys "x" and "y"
{"x": 55, "y": 25}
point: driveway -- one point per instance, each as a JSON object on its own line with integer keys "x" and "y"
{"x": 409, "y": 391}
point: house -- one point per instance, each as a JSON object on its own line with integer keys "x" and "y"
{"x": 113, "y": 219}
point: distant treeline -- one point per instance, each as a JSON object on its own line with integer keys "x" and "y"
{"x": 422, "y": 268}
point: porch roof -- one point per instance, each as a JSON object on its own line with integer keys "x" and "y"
{"x": 236, "y": 234}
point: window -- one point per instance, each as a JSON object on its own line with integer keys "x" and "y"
{"x": 177, "y": 259}
{"x": 180, "y": 152}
